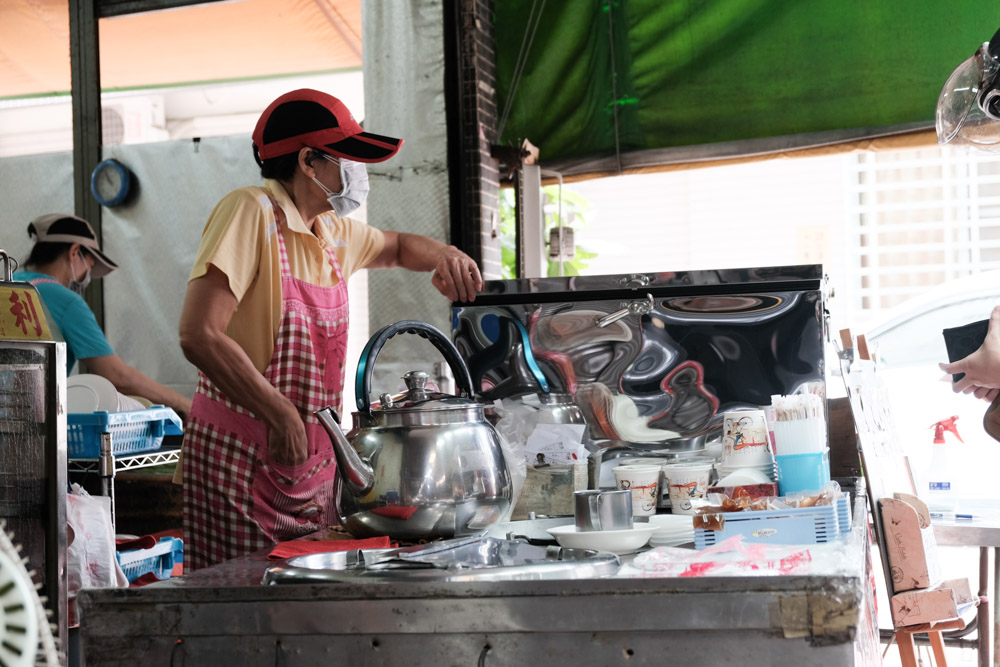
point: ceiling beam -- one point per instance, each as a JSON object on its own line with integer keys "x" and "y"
{"x": 108, "y": 8}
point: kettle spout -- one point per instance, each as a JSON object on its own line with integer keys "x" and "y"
{"x": 356, "y": 472}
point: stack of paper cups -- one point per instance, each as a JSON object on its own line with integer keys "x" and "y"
{"x": 746, "y": 443}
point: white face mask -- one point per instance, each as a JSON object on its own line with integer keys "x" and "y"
{"x": 354, "y": 186}
{"x": 79, "y": 285}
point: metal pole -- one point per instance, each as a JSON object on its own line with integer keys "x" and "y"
{"x": 106, "y": 466}
{"x": 85, "y": 79}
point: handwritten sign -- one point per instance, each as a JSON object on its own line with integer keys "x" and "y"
{"x": 22, "y": 316}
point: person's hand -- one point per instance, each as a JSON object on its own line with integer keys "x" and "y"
{"x": 183, "y": 410}
{"x": 982, "y": 367}
{"x": 287, "y": 443}
{"x": 456, "y": 275}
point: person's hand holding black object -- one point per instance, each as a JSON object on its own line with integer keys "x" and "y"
{"x": 982, "y": 367}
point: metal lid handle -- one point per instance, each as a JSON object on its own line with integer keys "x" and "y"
{"x": 366, "y": 365}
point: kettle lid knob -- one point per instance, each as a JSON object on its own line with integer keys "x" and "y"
{"x": 416, "y": 380}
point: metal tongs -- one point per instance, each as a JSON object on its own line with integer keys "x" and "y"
{"x": 435, "y": 554}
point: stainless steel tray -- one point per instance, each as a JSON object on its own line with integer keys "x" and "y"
{"x": 461, "y": 560}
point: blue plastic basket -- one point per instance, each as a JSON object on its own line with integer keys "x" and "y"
{"x": 131, "y": 432}
{"x": 843, "y": 505}
{"x": 159, "y": 559}
{"x": 800, "y": 525}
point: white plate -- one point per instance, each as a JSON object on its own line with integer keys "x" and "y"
{"x": 670, "y": 520}
{"x": 667, "y": 537}
{"x": 615, "y": 541}
{"x": 672, "y": 543}
{"x": 90, "y": 393}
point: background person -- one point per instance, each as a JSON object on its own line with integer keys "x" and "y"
{"x": 265, "y": 321}
{"x": 64, "y": 258}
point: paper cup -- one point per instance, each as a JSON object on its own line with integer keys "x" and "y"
{"x": 686, "y": 482}
{"x": 665, "y": 487}
{"x": 745, "y": 439}
{"x": 643, "y": 481}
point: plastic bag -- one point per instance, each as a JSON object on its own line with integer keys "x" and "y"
{"x": 510, "y": 428}
{"x": 90, "y": 543}
{"x": 731, "y": 557}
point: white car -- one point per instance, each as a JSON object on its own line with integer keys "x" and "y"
{"x": 908, "y": 345}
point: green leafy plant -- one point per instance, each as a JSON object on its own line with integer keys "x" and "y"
{"x": 573, "y": 208}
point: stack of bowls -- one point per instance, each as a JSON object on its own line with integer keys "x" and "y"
{"x": 766, "y": 468}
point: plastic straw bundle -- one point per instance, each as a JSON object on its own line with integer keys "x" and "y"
{"x": 799, "y": 424}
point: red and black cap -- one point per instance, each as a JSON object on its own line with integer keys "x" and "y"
{"x": 308, "y": 118}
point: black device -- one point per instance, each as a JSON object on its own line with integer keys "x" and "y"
{"x": 963, "y": 341}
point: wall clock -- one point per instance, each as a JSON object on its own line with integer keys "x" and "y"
{"x": 111, "y": 183}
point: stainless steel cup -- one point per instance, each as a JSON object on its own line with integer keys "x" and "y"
{"x": 603, "y": 510}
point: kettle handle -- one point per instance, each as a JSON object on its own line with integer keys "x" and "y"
{"x": 366, "y": 364}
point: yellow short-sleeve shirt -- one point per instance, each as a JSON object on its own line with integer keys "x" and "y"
{"x": 240, "y": 241}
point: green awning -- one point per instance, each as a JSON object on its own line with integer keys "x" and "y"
{"x": 611, "y": 85}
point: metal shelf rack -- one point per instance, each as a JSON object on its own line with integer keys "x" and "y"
{"x": 129, "y": 461}
{"x": 107, "y": 465}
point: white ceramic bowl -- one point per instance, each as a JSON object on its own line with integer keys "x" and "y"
{"x": 615, "y": 541}
{"x": 743, "y": 477}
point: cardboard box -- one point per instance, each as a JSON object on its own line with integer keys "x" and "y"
{"x": 947, "y": 600}
{"x": 548, "y": 490}
{"x": 909, "y": 543}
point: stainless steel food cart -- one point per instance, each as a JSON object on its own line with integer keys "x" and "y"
{"x": 223, "y": 615}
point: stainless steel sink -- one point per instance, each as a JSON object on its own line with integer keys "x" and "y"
{"x": 461, "y": 560}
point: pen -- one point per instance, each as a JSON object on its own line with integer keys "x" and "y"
{"x": 949, "y": 515}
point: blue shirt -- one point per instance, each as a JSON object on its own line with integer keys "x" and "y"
{"x": 73, "y": 318}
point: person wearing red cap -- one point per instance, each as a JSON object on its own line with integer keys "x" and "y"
{"x": 265, "y": 322}
{"x": 63, "y": 259}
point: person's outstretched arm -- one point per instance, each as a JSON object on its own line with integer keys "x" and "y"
{"x": 455, "y": 274}
{"x": 129, "y": 381}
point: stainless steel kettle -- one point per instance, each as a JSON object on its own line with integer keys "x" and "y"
{"x": 422, "y": 464}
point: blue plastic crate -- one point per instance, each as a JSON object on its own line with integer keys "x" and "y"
{"x": 159, "y": 559}
{"x": 798, "y": 525}
{"x": 131, "y": 432}
{"x": 843, "y": 506}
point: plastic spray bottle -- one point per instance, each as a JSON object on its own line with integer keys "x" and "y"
{"x": 940, "y": 482}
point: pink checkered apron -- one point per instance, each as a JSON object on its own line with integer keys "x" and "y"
{"x": 237, "y": 500}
